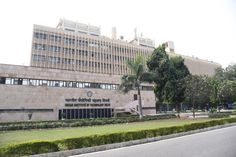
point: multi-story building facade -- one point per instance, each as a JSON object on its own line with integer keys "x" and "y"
{"x": 64, "y": 48}
{"x": 75, "y": 73}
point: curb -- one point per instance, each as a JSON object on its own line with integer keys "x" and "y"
{"x": 128, "y": 143}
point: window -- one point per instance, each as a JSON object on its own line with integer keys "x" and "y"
{"x": 81, "y": 85}
{"x": 94, "y": 85}
{"x": 57, "y": 83}
{"x": 39, "y": 46}
{"x": 86, "y": 85}
{"x": 69, "y": 84}
{"x": 31, "y": 82}
{"x": 74, "y": 84}
{"x": 25, "y": 82}
{"x": 20, "y": 81}
{"x": 61, "y": 83}
{"x": 113, "y": 86}
{"x": 50, "y": 83}
{"x": 52, "y": 37}
{"x": 2, "y": 80}
{"x": 103, "y": 86}
{"x": 57, "y": 38}
{"x": 44, "y": 82}
{"x": 40, "y": 35}
{"x": 8, "y": 80}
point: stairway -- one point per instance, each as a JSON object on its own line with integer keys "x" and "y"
{"x": 130, "y": 108}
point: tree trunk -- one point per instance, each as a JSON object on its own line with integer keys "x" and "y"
{"x": 140, "y": 104}
{"x": 193, "y": 108}
{"x": 178, "y": 110}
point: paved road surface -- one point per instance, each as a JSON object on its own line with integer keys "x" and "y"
{"x": 215, "y": 143}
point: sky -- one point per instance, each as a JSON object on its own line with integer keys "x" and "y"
{"x": 201, "y": 28}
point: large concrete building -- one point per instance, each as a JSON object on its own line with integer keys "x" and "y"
{"x": 51, "y": 94}
{"x": 75, "y": 72}
{"x": 69, "y": 48}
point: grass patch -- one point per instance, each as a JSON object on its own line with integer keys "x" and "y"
{"x": 14, "y": 137}
{"x": 7, "y": 126}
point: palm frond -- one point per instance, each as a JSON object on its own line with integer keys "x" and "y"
{"x": 128, "y": 82}
{"x": 140, "y": 70}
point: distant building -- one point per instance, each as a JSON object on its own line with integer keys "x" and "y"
{"x": 195, "y": 65}
{"x": 75, "y": 73}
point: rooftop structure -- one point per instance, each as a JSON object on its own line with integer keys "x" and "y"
{"x": 77, "y": 27}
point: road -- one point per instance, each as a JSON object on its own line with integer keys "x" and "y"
{"x": 215, "y": 143}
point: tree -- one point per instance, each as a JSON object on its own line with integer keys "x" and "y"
{"x": 219, "y": 73}
{"x": 159, "y": 64}
{"x": 171, "y": 72}
{"x": 230, "y": 72}
{"x": 176, "y": 84}
{"x": 196, "y": 91}
{"x": 214, "y": 86}
{"x": 227, "y": 92}
{"x": 222, "y": 86}
{"x": 134, "y": 80}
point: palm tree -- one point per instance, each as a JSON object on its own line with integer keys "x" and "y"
{"x": 134, "y": 80}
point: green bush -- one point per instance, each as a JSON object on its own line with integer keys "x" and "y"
{"x": 213, "y": 110}
{"x": 95, "y": 140}
{"x": 77, "y": 123}
{"x": 234, "y": 105}
{"x": 233, "y": 113}
{"x": 29, "y": 148}
{"x": 219, "y": 115}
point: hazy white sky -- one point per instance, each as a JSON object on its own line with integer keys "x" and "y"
{"x": 202, "y": 28}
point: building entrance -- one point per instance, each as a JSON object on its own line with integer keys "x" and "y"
{"x": 85, "y": 113}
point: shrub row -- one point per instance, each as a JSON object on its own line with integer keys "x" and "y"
{"x": 233, "y": 113}
{"x": 77, "y": 123}
{"x": 219, "y": 115}
{"x": 89, "y": 141}
{"x": 28, "y": 148}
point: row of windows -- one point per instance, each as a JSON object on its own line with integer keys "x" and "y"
{"x": 56, "y": 83}
{"x": 80, "y": 52}
{"x": 53, "y": 83}
{"x": 51, "y": 59}
{"x": 81, "y": 42}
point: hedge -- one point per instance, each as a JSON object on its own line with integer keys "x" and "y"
{"x": 95, "y": 140}
{"x": 219, "y": 115}
{"x": 29, "y": 148}
{"x": 77, "y": 123}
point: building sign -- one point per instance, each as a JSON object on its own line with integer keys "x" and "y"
{"x": 89, "y": 93}
{"x": 87, "y": 102}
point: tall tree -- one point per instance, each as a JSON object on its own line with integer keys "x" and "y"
{"x": 171, "y": 72}
{"x": 134, "y": 80}
{"x": 214, "y": 94}
{"x": 227, "y": 92}
{"x": 196, "y": 91}
{"x": 176, "y": 85}
{"x": 159, "y": 64}
{"x": 222, "y": 86}
{"x": 230, "y": 72}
